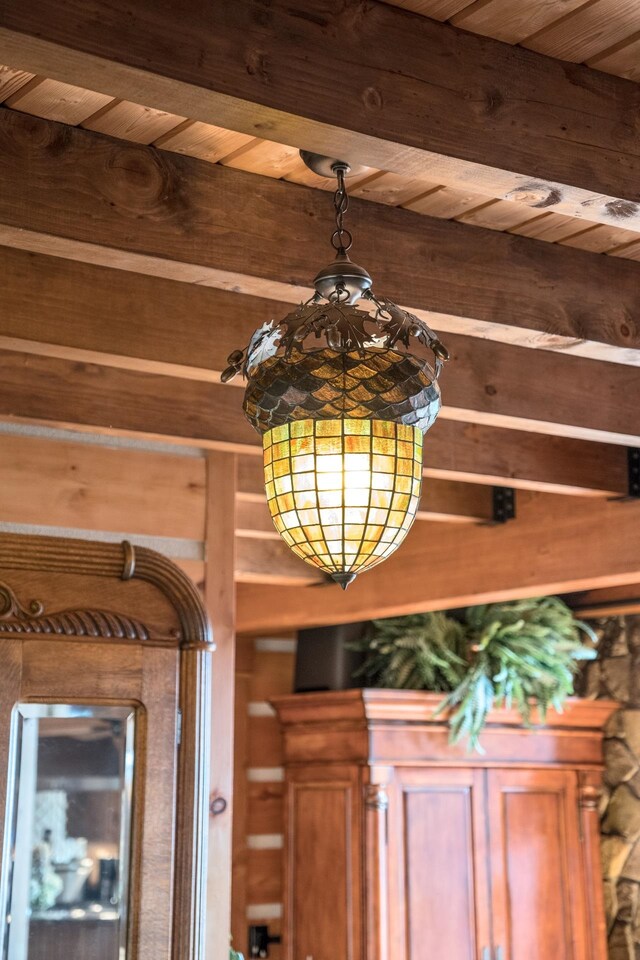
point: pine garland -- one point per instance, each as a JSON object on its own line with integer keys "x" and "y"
{"x": 502, "y": 654}
{"x": 421, "y": 652}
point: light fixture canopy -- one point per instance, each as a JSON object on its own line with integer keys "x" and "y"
{"x": 342, "y": 391}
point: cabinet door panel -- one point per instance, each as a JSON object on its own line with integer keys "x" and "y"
{"x": 323, "y": 843}
{"x": 538, "y": 906}
{"x": 438, "y": 865}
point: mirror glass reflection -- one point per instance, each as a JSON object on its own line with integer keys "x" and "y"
{"x": 66, "y": 862}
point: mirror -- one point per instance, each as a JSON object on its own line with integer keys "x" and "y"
{"x": 66, "y": 872}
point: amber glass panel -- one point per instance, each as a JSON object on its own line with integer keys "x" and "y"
{"x": 343, "y": 493}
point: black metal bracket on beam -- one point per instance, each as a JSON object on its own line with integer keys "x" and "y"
{"x": 633, "y": 473}
{"x": 504, "y": 504}
{"x": 633, "y": 476}
{"x": 259, "y": 941}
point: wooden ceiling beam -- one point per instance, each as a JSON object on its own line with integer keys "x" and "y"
{"x": 94, "y": 315}
{"x": 440, "y": 103}
{"x": 610, "y": 602}
{"x": 105, "y": 399}
{"x": 83, "y": 196}
{"x": 121, "y": 319}
{"x": 266, "y": 561}
{"x": 557, "y": 546}
{"x": 108, "y": 400}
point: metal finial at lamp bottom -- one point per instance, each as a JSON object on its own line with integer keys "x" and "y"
{"x": 344, "y": 579}
{"x": 342, "y": 400}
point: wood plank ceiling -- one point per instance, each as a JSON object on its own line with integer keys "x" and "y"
{"x": 513, "y": 415}
{"x": 54, "y": 100}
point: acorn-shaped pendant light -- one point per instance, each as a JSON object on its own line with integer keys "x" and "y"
{"x": 342, "y": 394}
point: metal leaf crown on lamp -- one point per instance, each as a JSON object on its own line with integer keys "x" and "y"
{"x": 342, "y": 397}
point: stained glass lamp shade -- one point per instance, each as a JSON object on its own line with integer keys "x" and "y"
{"x": 343, "y": 493}
{"x": 342, "y": 397}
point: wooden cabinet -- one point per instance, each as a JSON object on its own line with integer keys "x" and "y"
{"x": 400, "y": 846}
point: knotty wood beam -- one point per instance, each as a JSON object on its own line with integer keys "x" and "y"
{"x": 494, "y": 385}
{"x": 117, "y": 318}
{"x": 440, "y": 103}
{"x": 80, "y": 195}
{"x": 105, "y": 399}
{"x": 557, "y": 545}
{"x": 85, "y": 313}
{"x": 120, "y": 319}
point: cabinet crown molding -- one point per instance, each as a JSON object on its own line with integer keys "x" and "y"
{"x": 401, "y": 726}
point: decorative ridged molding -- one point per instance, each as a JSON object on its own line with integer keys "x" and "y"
{"x": 118, "y": 561}
{"x": 17, "y": 618}
{"x": 12, "y": 610}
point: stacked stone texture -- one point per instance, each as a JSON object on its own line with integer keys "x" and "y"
{"x": 616, "y": 676}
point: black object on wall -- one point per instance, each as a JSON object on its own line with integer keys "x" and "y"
{"x": 323, "y": 661}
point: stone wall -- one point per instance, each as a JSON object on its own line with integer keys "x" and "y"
{"x": 616, "y": 676}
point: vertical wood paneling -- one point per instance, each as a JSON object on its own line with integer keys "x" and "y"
{"x": 241, "y": 827}
{"x": 438, "y": 810}
{"x": 323, "y": 864}
{"x": 220, "y": 602}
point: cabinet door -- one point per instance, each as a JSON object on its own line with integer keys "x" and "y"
{"x": 438, "y": 891}
{"x": 536, "y": 873}
{"x": 323, "y": 863}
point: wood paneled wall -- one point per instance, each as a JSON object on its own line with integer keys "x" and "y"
{"x": 264, "y": 669}
{"x": 59, "y": 482}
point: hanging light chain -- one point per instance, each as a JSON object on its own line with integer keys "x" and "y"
{"x": 341, "y": 239}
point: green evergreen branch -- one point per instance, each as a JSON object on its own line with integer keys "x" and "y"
{"x": 503, "y": 654}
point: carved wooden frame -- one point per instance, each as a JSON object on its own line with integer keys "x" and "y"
{"x": 193, "y": 638}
